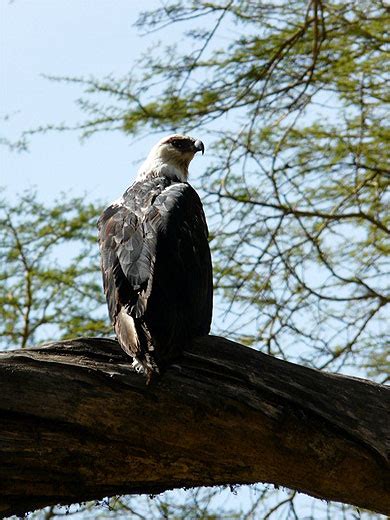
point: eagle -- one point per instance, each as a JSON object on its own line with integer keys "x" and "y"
{"x": 155, "y": 259}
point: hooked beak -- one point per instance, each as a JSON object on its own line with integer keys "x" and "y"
{"x": 199, "y": 146}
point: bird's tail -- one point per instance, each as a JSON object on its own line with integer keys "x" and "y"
{"x": 135, "y": 339}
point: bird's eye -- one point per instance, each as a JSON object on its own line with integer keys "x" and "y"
{"x": 178, "y": 144}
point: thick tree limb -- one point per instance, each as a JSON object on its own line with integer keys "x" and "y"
{"x": 78, "y": 424}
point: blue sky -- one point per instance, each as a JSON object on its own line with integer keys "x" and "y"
{"x": 72, "y": 38}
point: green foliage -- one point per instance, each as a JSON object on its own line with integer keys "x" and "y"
{"x": 49, "y": 276}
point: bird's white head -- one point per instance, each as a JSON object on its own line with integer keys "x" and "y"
{"x": 170, "y": 157}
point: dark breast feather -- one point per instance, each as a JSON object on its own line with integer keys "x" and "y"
{"x": 182, "y": 291}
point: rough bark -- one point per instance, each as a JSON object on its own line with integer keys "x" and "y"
{"x": 78, "y": 424}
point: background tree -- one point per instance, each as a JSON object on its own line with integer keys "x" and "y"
{"x": 292, "y": 95}
{"x": 49, "y": 275}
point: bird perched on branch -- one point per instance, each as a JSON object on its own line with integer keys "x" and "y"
{"x": 155, "y": 259}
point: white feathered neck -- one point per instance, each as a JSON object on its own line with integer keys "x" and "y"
{"x": 164, "y": 160}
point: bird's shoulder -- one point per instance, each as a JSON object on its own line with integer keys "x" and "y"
{"x": 133, "y": 203}
{"x": 144, "y": 198}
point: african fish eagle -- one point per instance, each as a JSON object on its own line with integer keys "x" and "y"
{"x": 155, "y": 259}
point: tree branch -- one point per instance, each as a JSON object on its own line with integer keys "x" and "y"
{"x": 78, "y": 424}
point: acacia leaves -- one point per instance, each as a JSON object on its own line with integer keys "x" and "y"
{"x": 49, "y": 276}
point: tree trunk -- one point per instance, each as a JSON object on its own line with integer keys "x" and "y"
{"x": 78, "y": 424}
